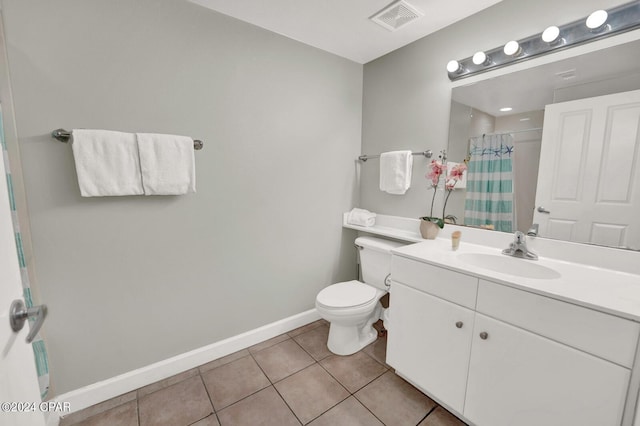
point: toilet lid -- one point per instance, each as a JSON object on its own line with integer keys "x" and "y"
{"x": 346, "y": 294}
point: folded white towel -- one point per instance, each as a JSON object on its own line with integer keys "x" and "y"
{"x": 167, "y": 164}
{"x": 395, "y": 171}
{"x": 107, "y": 163}
{"x": 361, "y": 217}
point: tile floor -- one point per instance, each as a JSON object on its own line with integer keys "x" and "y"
{"x": 291, "y": 379}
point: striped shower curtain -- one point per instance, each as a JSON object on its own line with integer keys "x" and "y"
{"x": 39, "y": 350}
{"x": 489, "y": 199}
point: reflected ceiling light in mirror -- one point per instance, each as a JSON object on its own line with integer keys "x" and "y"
{"x": 599, "y": 24}
{"x": 597, "y": 20}
{"x": 506, "y": 109}
{"x": 551, "y": 34}
{"x": 512, "y": 48}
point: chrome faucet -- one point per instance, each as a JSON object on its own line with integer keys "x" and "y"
{"x": 533, "y": 231}
{"x": 518, "y": 248}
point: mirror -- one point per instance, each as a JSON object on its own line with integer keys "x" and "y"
{"x": 476, "y": 111}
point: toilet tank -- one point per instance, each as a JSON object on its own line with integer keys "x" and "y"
{"x": 375, "y": 259}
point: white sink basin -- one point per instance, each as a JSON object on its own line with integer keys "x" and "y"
{"x": 509, "y": 265}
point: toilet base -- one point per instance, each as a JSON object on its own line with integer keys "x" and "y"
{"x": 349, "y": 339}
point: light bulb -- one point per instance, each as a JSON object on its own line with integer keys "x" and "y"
{"x": 453, "y": 66}
{"x": 597, "y": 19}
{"x": 512, "y": 48}
{"x": 550, "y": 34}
{"x": 479, "y": 58}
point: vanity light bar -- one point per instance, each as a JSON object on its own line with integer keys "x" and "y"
{"x": 617, "y": 20}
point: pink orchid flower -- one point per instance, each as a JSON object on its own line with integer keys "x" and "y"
{"x": 457, "y": 171}
{"x": 437, "y": 170}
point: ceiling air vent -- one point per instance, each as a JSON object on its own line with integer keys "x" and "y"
{"x": 396, "y": 15}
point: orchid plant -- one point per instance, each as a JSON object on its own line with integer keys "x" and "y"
{"x": 437, "y": 169}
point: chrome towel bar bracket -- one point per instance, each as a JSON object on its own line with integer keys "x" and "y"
{"x": 63, "y": 136}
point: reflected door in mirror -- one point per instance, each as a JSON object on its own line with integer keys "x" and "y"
{"x": 588, "y": 179}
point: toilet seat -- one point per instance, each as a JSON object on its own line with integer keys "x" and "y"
{"x": 348, "y": 294}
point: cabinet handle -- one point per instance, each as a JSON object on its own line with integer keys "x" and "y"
{"x": 484, "y": 335}
{"x": 459, "y": 324}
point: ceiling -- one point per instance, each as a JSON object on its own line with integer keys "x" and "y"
{"x": 342, "y": 27}
{"x": 610, "y": 70}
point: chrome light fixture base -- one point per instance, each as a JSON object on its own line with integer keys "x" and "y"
{"x": 617, "y": 20}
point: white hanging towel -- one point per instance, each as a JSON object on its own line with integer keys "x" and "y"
{"x": 395, "y": 171}
{"x": 107, "y": 163}
{"x": 167, "y": 164}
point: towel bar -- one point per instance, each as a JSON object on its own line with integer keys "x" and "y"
{"x": 428, "y": 153}
{"x": 63, "y": 136}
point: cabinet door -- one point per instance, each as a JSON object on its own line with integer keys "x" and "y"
{"x": 519, "y": 378}
{"x": 429, "y": 343}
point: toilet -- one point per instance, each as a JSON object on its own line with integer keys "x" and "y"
{"x": 351, "y": 307}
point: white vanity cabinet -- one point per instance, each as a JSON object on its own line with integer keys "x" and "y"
{"x": 434, "y": 351}
{"x": 519, "y": 378}
{"x": 518, "y": 358}
{"x": 433, "y": 348}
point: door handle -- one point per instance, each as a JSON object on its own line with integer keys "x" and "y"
{"x": 19, "y": 313}
{"x": 543, "y": 210}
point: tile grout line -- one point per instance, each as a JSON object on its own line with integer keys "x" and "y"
{"x": 321, "y": 366}
{"x": 363, "y": 404}
{"x": 335, "y": 378}
{"x": 428, "y": 414}
{"x": 340, "y": 383}
{"x": 329, "y": 409}
{"x": 241, "y": 399}
{"x": 301, "y": 347}
{"x": 372, "y": 413}
{"x": 138, "y": 409}
{"x": 206, "y": 389}
{"x": 273, "y": 385}
{"x": 315, "y": 361}
{"x": 338, "y": 380}
{"x": 200, "y": 373}
{"x": 388, "y": 369}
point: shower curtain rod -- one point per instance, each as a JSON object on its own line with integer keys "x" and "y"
{"x": 513, "y": 131}
{"x": 63, "y": 136}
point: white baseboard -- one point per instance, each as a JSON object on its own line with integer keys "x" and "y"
{"x": 95, "y": 393}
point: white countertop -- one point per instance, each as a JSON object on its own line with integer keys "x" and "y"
{"x": 605, "y": 290}
{"x": 399, "y": 228}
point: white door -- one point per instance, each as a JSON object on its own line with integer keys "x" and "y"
{"x": 19, "y": 390}
{"x": 588, "y": 181}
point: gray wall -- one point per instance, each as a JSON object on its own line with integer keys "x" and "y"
{"x": 133, "y": 280}
{"x": 407, "y": 93}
